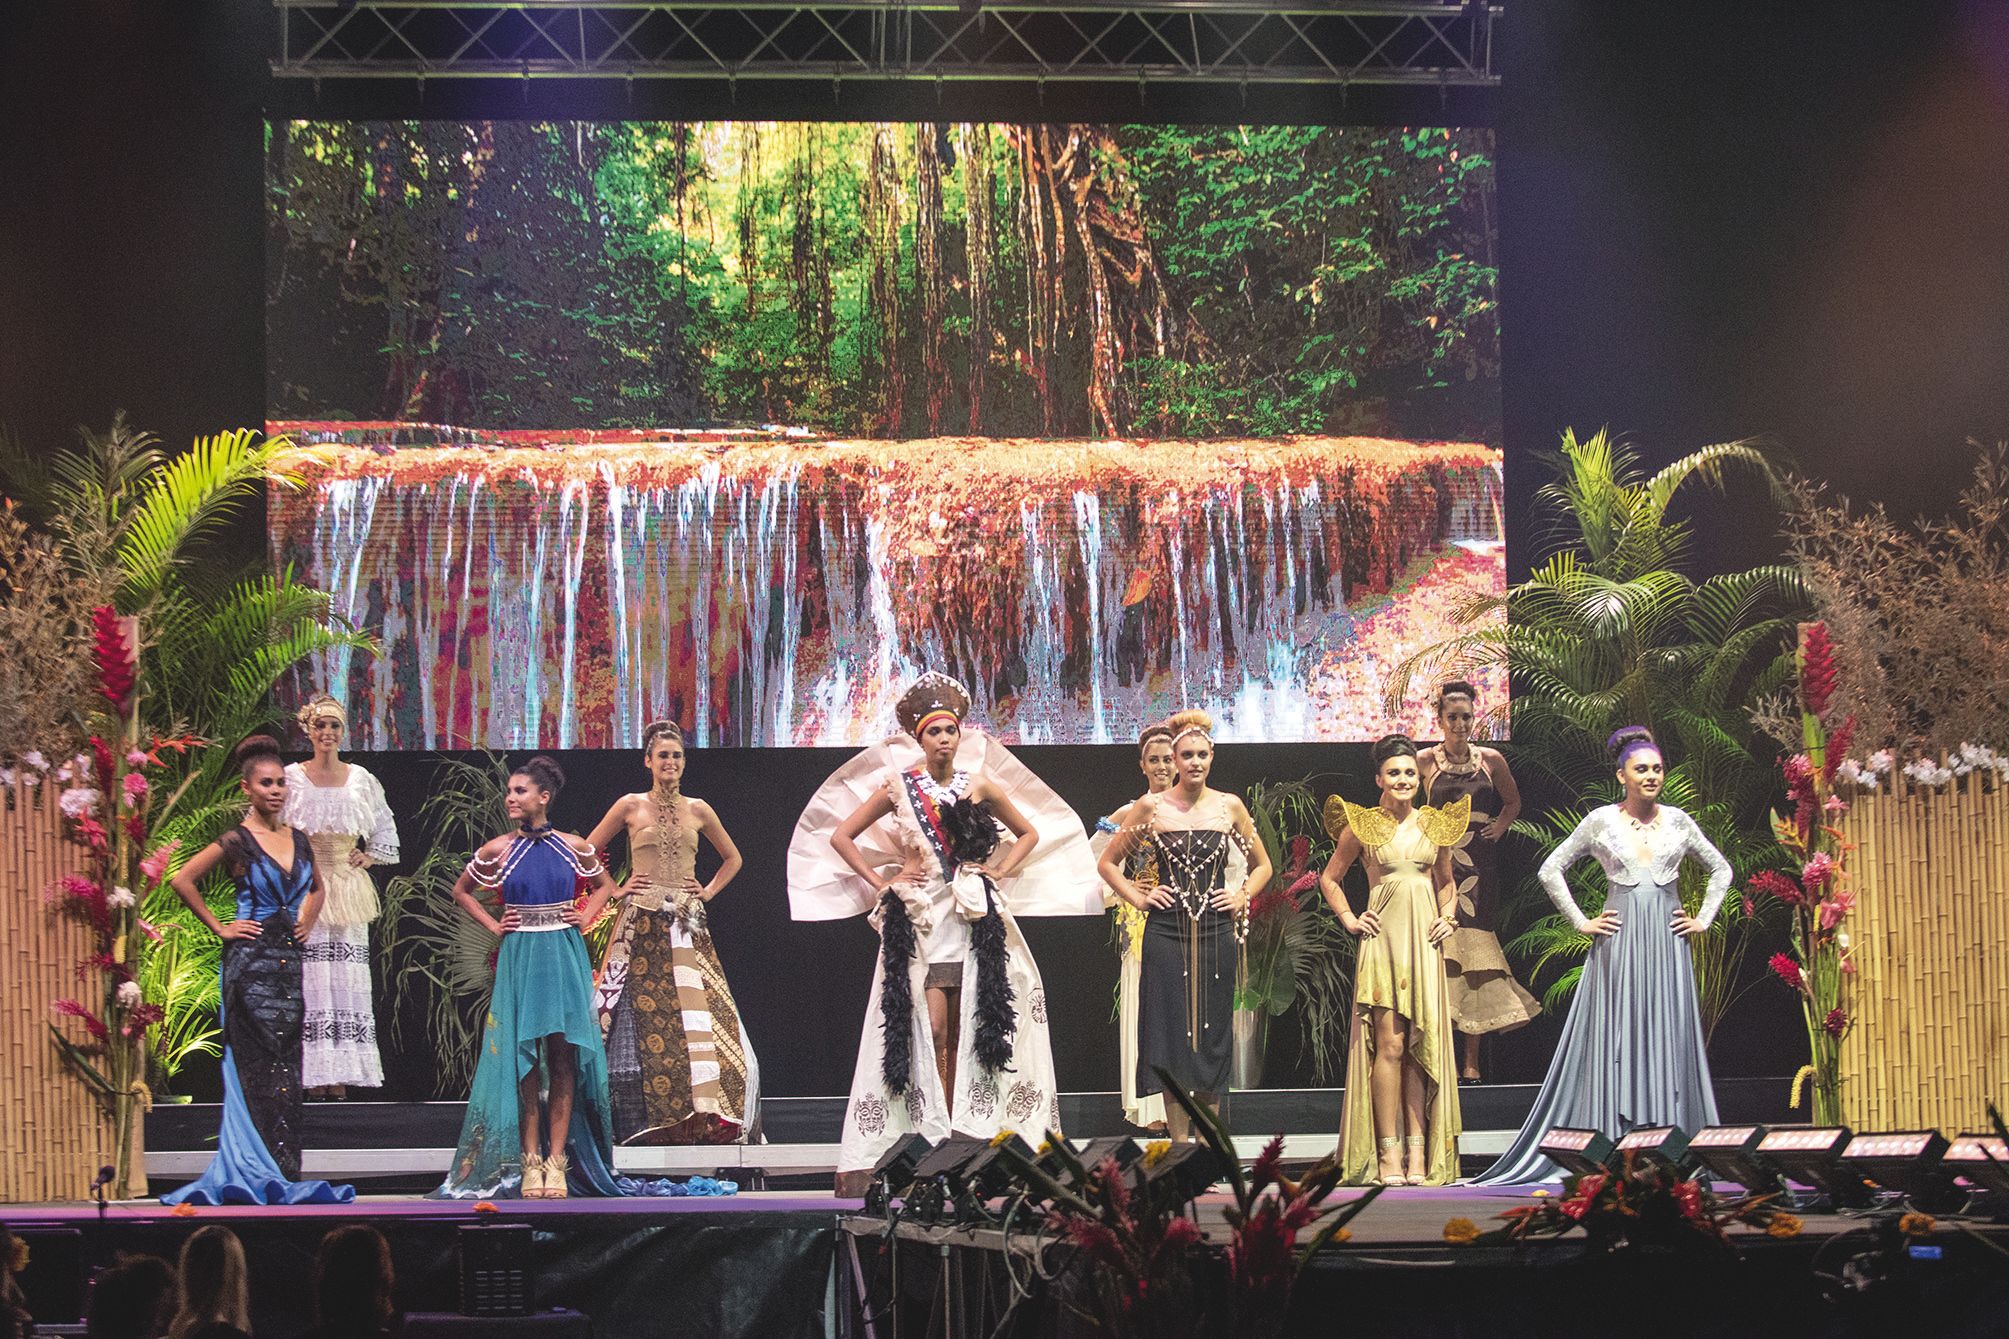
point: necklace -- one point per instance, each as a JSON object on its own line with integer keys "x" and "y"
{"x": 665, "y": 794}
{"x": 1465, "y": 766}
{"x": 957, "y": 786}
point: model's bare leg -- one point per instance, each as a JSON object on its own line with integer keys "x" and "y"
{"x": 1385, "y": 1088}
{"x": 1415, "y": 1123}
{"x": 1470, "y": 1069}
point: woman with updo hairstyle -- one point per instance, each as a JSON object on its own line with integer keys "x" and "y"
{"x": 263, "y": 1008}
{"x": 680, "y": 1068}
{"x": 1207, "y": 862}
{"x": 537, "y": 1122}
{"x": 1143, "y": 1106}
{"x": 1401, "y": 1122}
{"x": 1485, "y": 997}
{"x": 1632, "y": 1051}
{"x": 342, "y": 810}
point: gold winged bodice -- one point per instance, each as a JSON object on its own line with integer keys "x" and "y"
{"x": 1383, "y": 838}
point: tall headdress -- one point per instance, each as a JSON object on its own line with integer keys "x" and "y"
{"x": 932, "y": 695}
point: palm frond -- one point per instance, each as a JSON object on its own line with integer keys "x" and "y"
{"x": 185, "y": 497}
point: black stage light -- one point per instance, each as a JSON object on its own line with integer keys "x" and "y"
{"x": 940, "y": 1178}
{"x": 1909, "y": 1161}
{"x": 1730, "y": 1154}
{"x": 1983, "y": 1159}
{"x": 1666, "y": 1145}
{"x": 497, "y": 1269}
{"x": 989, "y": 1174}
{"x": 1092, "y": 1154}
{"x": 1811, "y": 1155}
{"x": 1579, "y": 1151}
{"x": 894, "y": 1172}
{"x": 1185, "y": 1170}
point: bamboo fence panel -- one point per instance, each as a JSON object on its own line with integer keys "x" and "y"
{"x": 53, "y": 1134}
{"x": 1929, "y": 997}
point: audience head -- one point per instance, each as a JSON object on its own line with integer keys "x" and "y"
{"x": 353, "y": 1281}
{"x": 214, "y": 1285}
{"x": 134, "y": 1299}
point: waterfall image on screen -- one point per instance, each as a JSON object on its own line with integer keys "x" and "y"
{"x": 744, "y": 424}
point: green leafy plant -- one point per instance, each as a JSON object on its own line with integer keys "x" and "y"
{"x": 1609, "y": 630}
{"x": 441, "y": 962}
{"x": 141, "y": 532}
{"x": 1298, "y": 956}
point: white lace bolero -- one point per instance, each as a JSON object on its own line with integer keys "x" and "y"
{"x": 1610, "y": 835}
{"x": 356, "y": 806}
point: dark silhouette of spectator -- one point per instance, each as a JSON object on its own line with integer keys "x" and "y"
{"x": 135, "y": 1299}
{"x": 353, "y": 1285}
{"x": 215, "y": 1293}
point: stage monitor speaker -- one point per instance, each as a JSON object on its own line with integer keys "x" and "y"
{"x": 1811, "y": 1155}
{"x": 497, "y": 1269}
{"x": 1092, "y": 1154}
{"x": 893, "y": 1174}
{"x": 1982, "y": 1159}
{"x": 1666, "y": 1145}
{"x": 1581, "y": 1151}
{"x": 1729, "y": 1153}
{"x": 1909, "y": 1161}
{"x": 1188, "y": 1170}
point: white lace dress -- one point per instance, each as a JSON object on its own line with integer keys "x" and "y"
{"x": 339, "y": 1042}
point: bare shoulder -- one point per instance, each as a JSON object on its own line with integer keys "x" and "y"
{"x": 495, "y": 847}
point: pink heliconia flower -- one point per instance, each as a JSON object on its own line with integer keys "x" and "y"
{"x": 154, "y": 866}
{"x": 136, "y": 788}
{"x": 1819, "y": 872}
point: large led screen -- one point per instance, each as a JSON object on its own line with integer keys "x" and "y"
{"x": 744, "y": 424}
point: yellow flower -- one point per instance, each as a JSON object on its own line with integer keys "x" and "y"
{"x": 1460, "y": 1231}
{"x": 1003, "y": 1137}
{"x": 1784, "y": 1225}
{"x": 1344, "y": 1234}
{"x": 1155, "y": 1151}
{"x": 17, "y": 1255}
{"x": 184, "y": 1210}
{"x": 1917, "y": 1225}
{"x": 1539, "y": 1194}
{"x": 485, "y": 1206}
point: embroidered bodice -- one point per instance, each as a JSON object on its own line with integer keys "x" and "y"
{"x": 355, "y": 809}
{"x": 1634, "y": 855}
{"x": 665, "y": 851}
{"x": 538, "y": 868}
{"x": 264, "y": 886}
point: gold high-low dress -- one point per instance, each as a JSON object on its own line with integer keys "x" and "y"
{"x": 1400, "y": 969}
{"x": 680, "y": 1069}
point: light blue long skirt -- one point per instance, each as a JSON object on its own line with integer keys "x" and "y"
{"x": 1631, "y": 1053}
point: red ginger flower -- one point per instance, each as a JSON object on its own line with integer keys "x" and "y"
{"x": 112, "y": 647}
{"x": 1689, "y": 1196}
{"x": 1817, "y": 668}
{"x": 1837, "y": 1022}
{"x": 1839, "y": 740}
{"x": 92, "y": 1023}
{"x": 1772, "y": 883}
{"x": 1788, "y": 971}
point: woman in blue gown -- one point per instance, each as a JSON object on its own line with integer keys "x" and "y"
{"x": 1632, "y": 1051}
{"x": 263, "y": 1008}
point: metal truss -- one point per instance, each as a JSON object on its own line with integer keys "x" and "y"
{"x": 1430, "y": 43}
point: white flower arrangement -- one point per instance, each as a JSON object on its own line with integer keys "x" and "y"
{"x": 118, "y": 899}
{"x": 77, "y": 801}
{"x": 129, "y": 994}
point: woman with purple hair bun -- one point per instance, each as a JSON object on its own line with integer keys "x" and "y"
{"x": 1632, "y": 1051}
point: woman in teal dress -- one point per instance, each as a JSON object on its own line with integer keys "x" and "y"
{"x": 537, "y": 1122}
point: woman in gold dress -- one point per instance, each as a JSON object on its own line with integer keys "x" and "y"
{"x": 680, "y": 1069}
{"x": 1400, "y": 1124}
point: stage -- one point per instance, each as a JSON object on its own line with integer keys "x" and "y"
{"x": 788, "y": 1263}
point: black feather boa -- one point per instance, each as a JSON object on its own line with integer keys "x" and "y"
{"x": 995, "y": 1016}
{"x": 896, "y": 992}
{"x": 971, "y": 828}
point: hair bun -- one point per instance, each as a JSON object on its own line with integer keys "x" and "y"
{"x": 1393, "y": 746}
{"x": 1627, "y": 738}
{"x": 547, "y": 774}
{"x": 1455, "y": 688}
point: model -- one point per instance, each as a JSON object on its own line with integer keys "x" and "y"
{"x": 911, "y": 831}
{"x": 1400, "y": 1124}
{"x": 537, "y": 1122}
{"x": 1143, "y": 1107}
{"x": 341, "y": 808}
{"x": 680, "y": 1069}
{"x": 279, "y": 896}
{"x": 1485, "y": 997}
{"x": 1632, "y": 1050}
{"x": 1196, "y": 920}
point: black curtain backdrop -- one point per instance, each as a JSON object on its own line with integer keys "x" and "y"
{"x": 1718, "y": 220}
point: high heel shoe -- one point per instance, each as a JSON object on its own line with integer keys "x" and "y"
{"x": 1412, "y": 1176}
{"x": 1386, "y": 1146}
{"x": 555, "y": 1168}
{"x": 533, "y": 1177}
